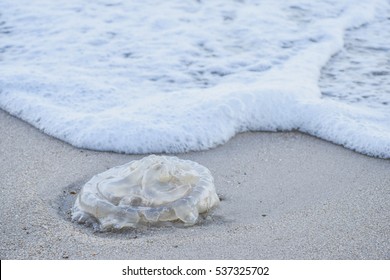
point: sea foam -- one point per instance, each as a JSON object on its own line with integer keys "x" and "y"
{"x": 173, "y": 76}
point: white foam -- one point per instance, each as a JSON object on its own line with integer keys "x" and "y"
{"x": 173, "y": 76}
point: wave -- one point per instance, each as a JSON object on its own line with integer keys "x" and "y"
{"x": 176, "y": 76}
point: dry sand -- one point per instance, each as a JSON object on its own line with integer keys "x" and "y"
{"x": 285, "y": 196}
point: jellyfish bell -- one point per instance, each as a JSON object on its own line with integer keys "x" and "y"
{"x": 148, "y": 191}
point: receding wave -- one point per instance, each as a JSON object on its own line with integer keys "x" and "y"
{"x": 173, "y": 76}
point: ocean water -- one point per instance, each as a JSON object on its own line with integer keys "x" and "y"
{"x": 178, "y": 75}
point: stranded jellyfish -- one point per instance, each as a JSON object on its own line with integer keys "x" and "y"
{"x": 151, "y": 190}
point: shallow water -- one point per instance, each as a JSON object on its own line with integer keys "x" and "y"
{"x": 173, "y": 76}
{"x": 360, "y": 73}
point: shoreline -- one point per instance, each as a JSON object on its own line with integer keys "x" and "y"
{"x": 286, "y": 195}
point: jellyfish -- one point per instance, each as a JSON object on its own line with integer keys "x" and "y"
{"x": 152, "y": 190}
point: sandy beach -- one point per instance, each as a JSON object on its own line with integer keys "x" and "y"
{"x": 284, "y": 196}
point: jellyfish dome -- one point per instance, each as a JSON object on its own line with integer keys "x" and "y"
{"x": 148, "y": 191}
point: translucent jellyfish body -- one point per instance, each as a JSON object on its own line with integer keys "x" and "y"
{"x": 151, "y": 190}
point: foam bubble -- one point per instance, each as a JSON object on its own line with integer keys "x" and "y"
{"x": 147, "y": 191}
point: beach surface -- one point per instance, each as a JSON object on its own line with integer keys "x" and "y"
{"x": 284, "y": 196}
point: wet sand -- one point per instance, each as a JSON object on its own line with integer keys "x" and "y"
{"x": 284, "y": 196}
